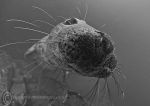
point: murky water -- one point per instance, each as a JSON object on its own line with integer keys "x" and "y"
{"x": 127, "y": 21}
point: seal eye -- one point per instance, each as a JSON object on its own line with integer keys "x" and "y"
{"x": 71, "y": 21}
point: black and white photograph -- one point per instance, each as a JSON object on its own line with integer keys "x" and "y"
{"x": 74, "y": 53}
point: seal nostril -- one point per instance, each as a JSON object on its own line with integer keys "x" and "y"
{"x": 71, "y": 21}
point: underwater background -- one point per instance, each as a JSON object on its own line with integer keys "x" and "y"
{"x": 128, "y": 22}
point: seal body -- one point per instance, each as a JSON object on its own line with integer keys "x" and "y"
{"x": 75, "y": 45}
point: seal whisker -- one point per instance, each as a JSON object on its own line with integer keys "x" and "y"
{"x": 44, "y": 12}
{"x": 14, "y": 43}
{"x": 32, "y": 30}
{"x": 79, "y": 11}
{"x": 23, "y": 22}
{"x": 61, "y": 17}
{"x": 86, "y": 11}
{"x": 45, "y": 22}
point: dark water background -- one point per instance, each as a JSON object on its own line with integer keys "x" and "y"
{"x": 127, "y": 20}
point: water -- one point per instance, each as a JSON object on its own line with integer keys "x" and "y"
{"x": 127, "y": 21}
